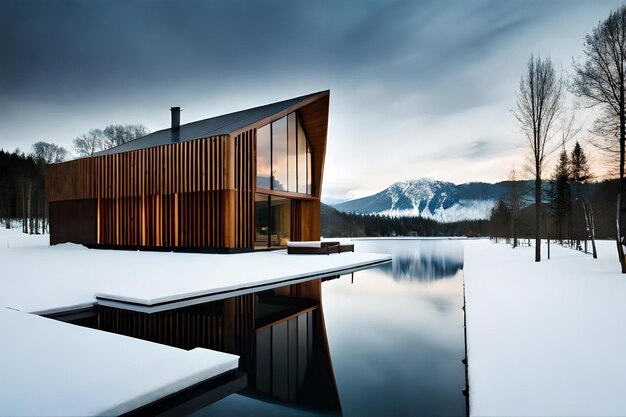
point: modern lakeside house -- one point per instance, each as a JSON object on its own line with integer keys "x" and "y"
{"x": 244, "y": 180}
{"x": 151, "y": 332}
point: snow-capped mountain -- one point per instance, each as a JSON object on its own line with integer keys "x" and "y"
{"x": 429, "y": 198}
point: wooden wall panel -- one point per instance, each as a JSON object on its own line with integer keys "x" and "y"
{"x": 73, "y": 221}
{"x": 310, "y": 221}
{"x": 242, "y": 223}
{"x": 191, "y": 194}
{"x": 73, "y": 180}
{"x": 184, "y": 167}
{"x": 315, "y": 119}
{"x": 296, "y": 220}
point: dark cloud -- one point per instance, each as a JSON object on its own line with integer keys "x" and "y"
{"x": 64, "y": 48}
{"x": 393, "y": 67}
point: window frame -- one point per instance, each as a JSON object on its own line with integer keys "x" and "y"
{"x": 308, "y": 186}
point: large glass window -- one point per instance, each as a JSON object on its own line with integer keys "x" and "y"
{"x": 279, "y": 155}
{"x": 309, "y": 171}
{"x": 292, "y": 150}
{"x": 264, "y": 157}
{"x": 261, "y": 220}
{"x": 302, "y": 160}
{"x": 283, "y": 156}
{"x": 272, "y": 217}
{"x": 280, "y": 221}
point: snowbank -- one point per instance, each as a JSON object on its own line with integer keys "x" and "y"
{"x": 545, "y": 339}
{"x": 53, "y": 368}
{"x": 43, "y": 279}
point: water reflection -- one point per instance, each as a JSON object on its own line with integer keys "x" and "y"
{"x": 287, "y": 361}
{"x": 387, "y": 341}
{"x": 292, "y": 362}
{"x": 397, "y": 343}
{"x": 420, "y": 260}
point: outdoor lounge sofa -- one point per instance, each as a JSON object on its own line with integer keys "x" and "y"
{"x": 317, "y": 247}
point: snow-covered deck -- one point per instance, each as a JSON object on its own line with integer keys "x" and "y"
{"x": 42, "y": 279}
{"x": 54, "y": 368}
{"x": 545, "y": 339}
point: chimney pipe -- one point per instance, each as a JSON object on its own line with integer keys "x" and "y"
{"x": 175, "y": 117}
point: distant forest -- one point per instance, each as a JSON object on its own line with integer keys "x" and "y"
{"x": 560, "y": 222}
{"x": 600, "y": 196}
{"x": 22, "y": 191}
{"x": 337, "y": 224}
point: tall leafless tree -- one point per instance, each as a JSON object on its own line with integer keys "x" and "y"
{"x": 539, "y": 102}
{"x": 115, "y": 135}
{"x": 601, "y": 79}
{"x": 112, "y": 135}
{"x": 49, "y": 152}
{"x": 89, "y": 143}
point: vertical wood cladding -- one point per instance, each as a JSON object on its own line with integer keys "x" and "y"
{"x": 296, "y": 220}
{"x": 73, "y": 221}
{"x": 310, "y": 224}
{"x": 196, "y": 193}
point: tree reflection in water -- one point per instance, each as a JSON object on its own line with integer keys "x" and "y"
{"x": 418, "y": 260}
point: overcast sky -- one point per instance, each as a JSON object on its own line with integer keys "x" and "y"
{"x": 418, "y": 89}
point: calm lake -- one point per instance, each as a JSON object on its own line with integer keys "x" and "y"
{"x": 393, "y": 342}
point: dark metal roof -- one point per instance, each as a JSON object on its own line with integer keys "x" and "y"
{"x": 215, "y": 126}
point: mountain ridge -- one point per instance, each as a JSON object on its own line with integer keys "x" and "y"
{"x": 430, "y": 198}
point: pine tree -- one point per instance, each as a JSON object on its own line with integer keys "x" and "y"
{"x": 579, "y": 175}
{"x": 579, "y": 168}
{"x": 560, "y": 204}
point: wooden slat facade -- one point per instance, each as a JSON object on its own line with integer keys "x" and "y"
{"x": 193, "y": 194}
{"x": 196, "y": 194}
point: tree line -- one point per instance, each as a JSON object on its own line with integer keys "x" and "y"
{"x": 22, "y": 187}
{"x": 22, "y": 193}
{"x": 566, "y": 199}
{"x": 338, "y": 224}
{"x": 517, "y": 223}
{"x": 599, "y": 80}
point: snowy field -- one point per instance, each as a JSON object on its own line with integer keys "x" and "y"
{"x": 51, "y": 368}
{"x": 41, "y": 279}
{"x": 63, "y": 365}
{"x": 545, "y": 339}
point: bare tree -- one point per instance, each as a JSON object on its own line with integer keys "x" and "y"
{"x": 89, "y": 143}
{"x": 49, "y": 152}
{"x": 115, "y": 135}
{"x": 538, "y": 107}
{"x": 112, "y": 135}
{"x": 601, "y": 79}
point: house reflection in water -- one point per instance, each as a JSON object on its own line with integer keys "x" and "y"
{"x": 279, "y": 334}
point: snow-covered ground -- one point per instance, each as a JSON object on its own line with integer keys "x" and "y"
{"x": 51, "y": 368}
{"x": 48, "y": 367}
{"x": 544, "y": 339}
{"x": 42, "y": 279}
{"x": 548, "y": 338}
